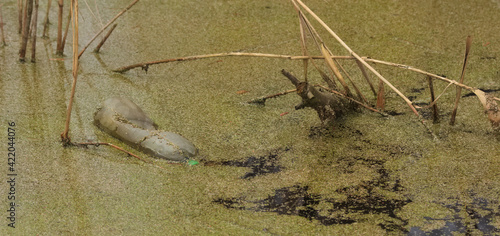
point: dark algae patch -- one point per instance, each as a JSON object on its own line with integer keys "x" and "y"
{"x": 259, "y": 165}
{"x": 381, "y": 196}
{"x": 465, "y": 219}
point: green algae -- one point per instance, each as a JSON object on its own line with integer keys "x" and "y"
{"x": 100, "y": 191}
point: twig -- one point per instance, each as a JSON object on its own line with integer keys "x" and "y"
{"x": 33, "y": 37}
{"x": 262, "y": 100}
{"x": 96, "y": 50}
{"x": 459, "y": 90}
{"x": 106, "y": 26}
{"x": 74, "y": 13}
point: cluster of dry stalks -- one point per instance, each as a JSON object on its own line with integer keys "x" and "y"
{"x": 327, "y": 107}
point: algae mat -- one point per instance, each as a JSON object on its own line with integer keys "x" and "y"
{"x": 263, "y": 171}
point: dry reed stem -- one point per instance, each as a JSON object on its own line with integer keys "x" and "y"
{"x": 33, "y": 36}
{"x": 367, "y": 77}
{"x": 26, "y": 28}
{"x": 20, "y": 16}
{"x": 381, "y": 95}
{"x": 59, "y": 49}
{"x": 74, "y": 15}
{"x": 459, "y": 90}
{"x": 1, "y": 27}
{"x": 106, "y": 26}
{"x": 334, "y": 69}
{"x": 351, "y": 52}
{"x": 435, "y": 115}
{"x": 320, "y": 44}
{"x": 146, "y": 65}
{"x": 98, "y": 48}
{"x": 46, "y": 20}
{"x": 303, "y": 47}
{"x": 358, "y": 92}
{"x": 63, "y": 42}
{"x": 304, "y": 24}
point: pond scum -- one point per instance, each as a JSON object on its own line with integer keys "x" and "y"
{"x": 330, "y": 101}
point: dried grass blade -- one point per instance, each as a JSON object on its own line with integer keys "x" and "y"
{"x": 331, "y": 64}
{"x": 303, "y": 44}
{"x": 459, "y": 90}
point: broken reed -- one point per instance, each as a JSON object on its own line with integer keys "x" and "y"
{"x": 435, "y": 115}
{"x": 33, "y": 37}
{"x": 26, "y": 21}
{"x": 1, "y": 27}
{"x": 74, "y": 13}
{"x": 46, "y": 20}
{"x": 60, "y": 47}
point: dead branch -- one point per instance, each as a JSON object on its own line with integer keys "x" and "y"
{"x": 327, "y": 106}
{"x": 262, "y": 100}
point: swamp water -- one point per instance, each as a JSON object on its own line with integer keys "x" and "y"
{"x": 261, "y": 171}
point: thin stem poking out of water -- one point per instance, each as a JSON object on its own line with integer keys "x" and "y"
{"x": 96, "y": 50}
{"x": 459, "y": 90}
{"x": 1, "y": 27}
{"x": 74, "y": 13}
{"x": 46, "y": 20}
{"x": 106, "y": 26}
{"x": 26, "y": 29}
{"x": 33, "y": 37}
{"x": 60, "y": 50}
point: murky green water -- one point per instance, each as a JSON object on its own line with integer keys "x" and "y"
{"x": 261, "y": 172}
